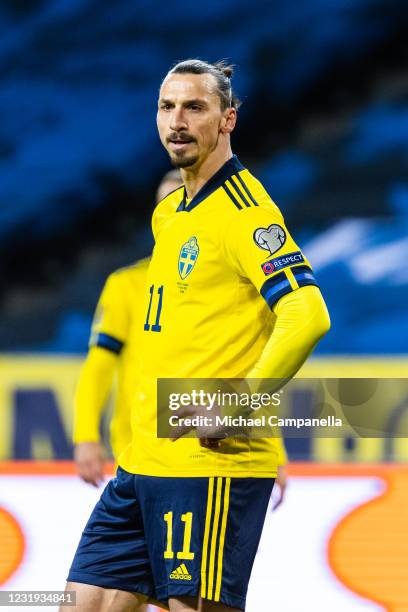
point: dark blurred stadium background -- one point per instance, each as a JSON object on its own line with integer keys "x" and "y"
{"x": 324, "y": 124}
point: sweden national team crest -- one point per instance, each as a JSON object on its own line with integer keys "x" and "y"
{"x": 188, "y": 257}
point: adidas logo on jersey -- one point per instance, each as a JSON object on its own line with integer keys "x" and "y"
{"x": 181, "y": 573}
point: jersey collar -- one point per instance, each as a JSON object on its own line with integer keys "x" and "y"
{"x": 230, "y": 167}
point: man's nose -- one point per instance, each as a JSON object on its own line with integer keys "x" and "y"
{"x": 178, "y": 121}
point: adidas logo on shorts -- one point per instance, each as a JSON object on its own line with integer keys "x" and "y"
{"x": 181, "y": 573}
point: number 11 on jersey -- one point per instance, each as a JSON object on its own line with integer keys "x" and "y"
{"x": 156, "y": 327}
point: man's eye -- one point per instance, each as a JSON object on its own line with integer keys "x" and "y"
{"x": 195, "y": 107}
{"x": 165, "y": 106}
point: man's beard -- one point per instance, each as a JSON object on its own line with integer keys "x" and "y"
{"x": 183, "y": 161}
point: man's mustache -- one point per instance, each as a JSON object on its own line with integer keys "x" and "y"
{"x": 182, "y": 137}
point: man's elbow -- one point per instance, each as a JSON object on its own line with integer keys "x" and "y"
{"x": 321, "y": 322}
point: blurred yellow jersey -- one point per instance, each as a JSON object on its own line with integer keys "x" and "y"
{"x": 219, "y": 264}
{"x": 117, "y": 327}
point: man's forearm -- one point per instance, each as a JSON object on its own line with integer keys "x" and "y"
{"x": 302, "y": 319}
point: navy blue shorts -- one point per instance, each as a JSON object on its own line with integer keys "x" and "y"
{"x": 169, "y": 537}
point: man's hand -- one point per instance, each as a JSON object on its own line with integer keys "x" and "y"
{"x": 190, "y": 412}
{"x": 90, "y": 458}
{"x": 282, "y": 482}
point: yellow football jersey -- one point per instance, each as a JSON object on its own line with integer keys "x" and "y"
{"x": 117, "y": 326}
{"x": 219, "y": 264}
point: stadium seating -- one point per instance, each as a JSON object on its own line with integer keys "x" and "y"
{"x": 79, "y": 154}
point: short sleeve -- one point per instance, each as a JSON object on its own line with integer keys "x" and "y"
{"x": 111, "y": 319}
{"x": 260, "y": 248}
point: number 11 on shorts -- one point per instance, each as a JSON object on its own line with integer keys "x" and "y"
{"x": 186, "y": 553}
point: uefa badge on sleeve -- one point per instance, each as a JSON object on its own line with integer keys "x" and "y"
{"x": 188, "y": 257}
{"x": 284, "y": 261}
{"x": 270, "y": 238}
{"x": 268, "y": 268}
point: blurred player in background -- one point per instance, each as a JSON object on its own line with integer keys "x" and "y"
{"x": 113, "y": 350}
{"x": 182, "y": 520}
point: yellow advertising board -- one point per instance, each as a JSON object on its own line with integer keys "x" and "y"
{"x": 36, "y": 409}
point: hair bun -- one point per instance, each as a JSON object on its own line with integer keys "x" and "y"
{"x": 226, "y": 69}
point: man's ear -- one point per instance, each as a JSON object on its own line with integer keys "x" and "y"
{"x": 228, "y": 121}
